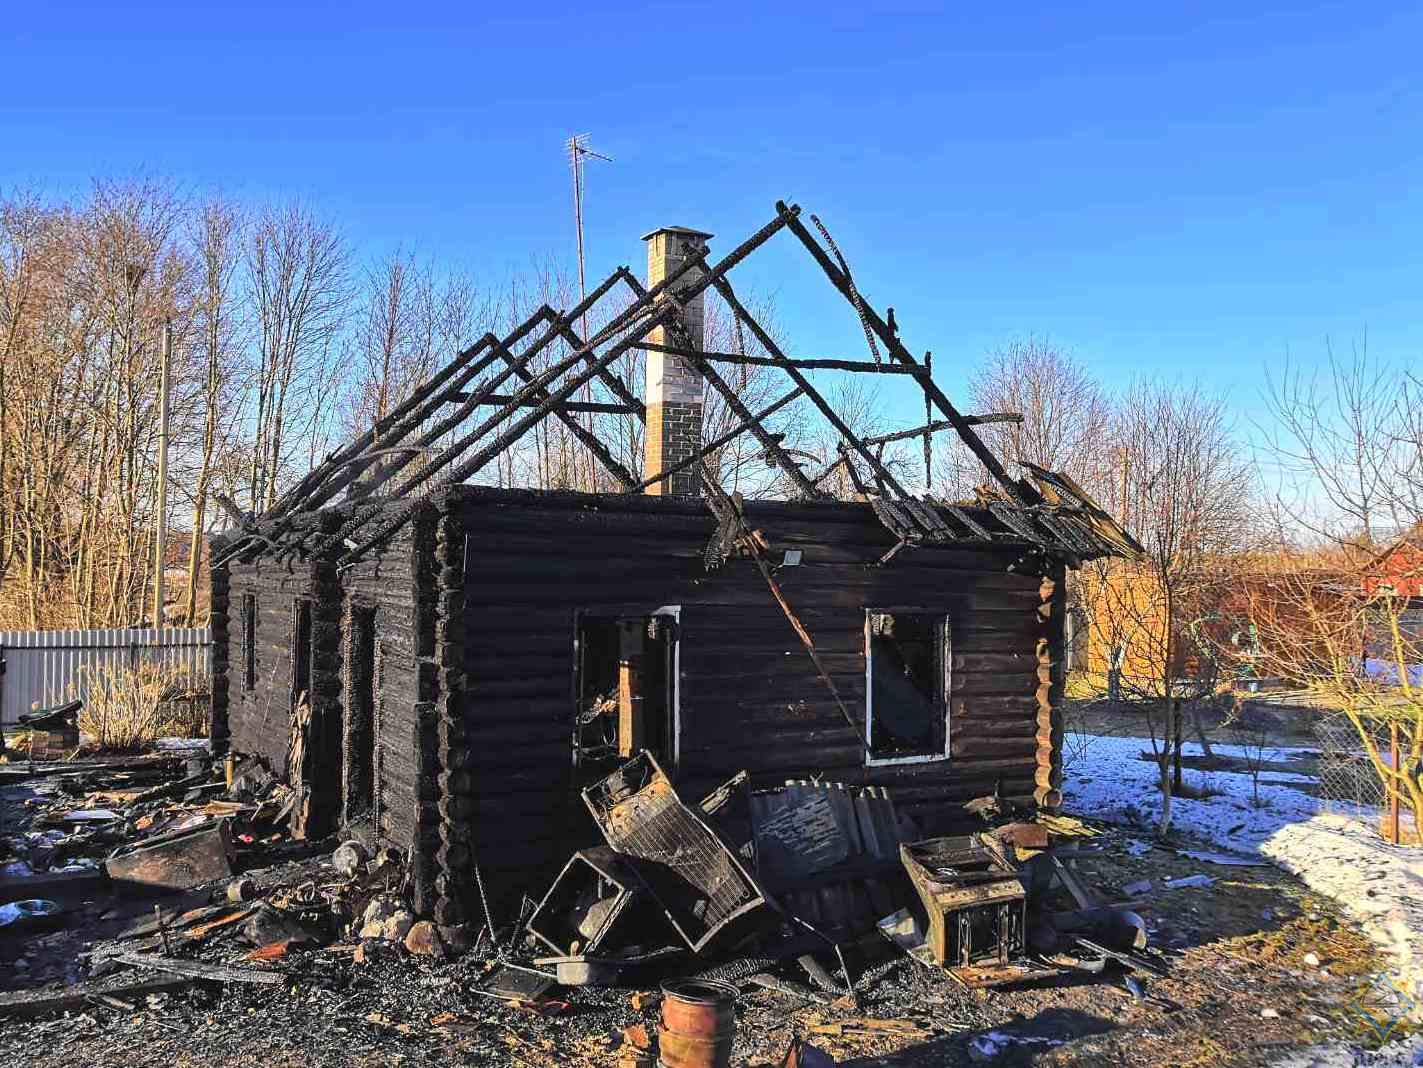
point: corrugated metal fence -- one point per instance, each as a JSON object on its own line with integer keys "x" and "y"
{"x": 44, "y": 666}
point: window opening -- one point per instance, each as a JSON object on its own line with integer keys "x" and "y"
{"x": 360, "y": 738}
{"x": 626, "y": 688}
{"x": 907, "y": 691}
{"x": 249, "y": 642}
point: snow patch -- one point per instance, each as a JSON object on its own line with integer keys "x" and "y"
{"x": 1380, "y": 885}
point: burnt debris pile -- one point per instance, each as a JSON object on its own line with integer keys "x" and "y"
{"x": 128, "y": 877}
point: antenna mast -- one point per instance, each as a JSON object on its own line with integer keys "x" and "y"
{"x": 577, "y": 150}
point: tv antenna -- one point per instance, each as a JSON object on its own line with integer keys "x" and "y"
{"x": 578, "y": 150}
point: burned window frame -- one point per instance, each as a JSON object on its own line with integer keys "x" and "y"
{"x": 617, "y": 612}
{"x": 301, "y": 664}
{"x": 247, "y": 606}
{"x": 360, "y": 795}
{"x": 944, "y": 672}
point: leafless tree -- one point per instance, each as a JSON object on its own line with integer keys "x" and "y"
{"x": 742, "y": 466}
{"x": 1067, "y": 416}
{"x": 409, "y": 319}
{"x": 1357, "y": 653}
{"x": 1188, "y": 501}
{"x": 1348, "y": 442}
{"x": 217, "y": 244}
{"x": 297, "y": 266}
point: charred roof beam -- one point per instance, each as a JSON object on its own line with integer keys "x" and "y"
{"x": 768, "y": 441}
{"x": 657, "y": 316}
{"x": 563, "y": 412}
{"x": 754, "y": 420}
{"x": 881, "y": 473}
{"x": 741, "y": 359}
{"x": 1019, "y": 490}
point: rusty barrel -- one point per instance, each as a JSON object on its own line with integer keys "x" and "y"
{"x": 698, "y": 1024}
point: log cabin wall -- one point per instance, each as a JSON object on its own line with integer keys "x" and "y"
{"x": 749, "y": 696}
{"x": 387, "y": 585}
{"x": 258, "y": 669}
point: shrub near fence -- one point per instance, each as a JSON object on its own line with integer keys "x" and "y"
{"x": 48, "y": 667}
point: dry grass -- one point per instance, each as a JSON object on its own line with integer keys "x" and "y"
{"x": 127, "y": 708}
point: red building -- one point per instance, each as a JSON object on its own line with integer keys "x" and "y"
{"x": 1398, "y": 570}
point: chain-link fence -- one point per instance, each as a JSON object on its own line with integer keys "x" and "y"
{"x": 1348, "y": 782}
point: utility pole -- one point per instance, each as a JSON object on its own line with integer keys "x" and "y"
{"x": 160, "y": 540}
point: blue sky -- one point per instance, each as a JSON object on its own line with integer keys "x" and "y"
{"x": 1189, "y": 190}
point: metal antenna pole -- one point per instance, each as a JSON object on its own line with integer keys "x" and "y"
{"x": 576, "y": 158}
{"x": 577, "y": 149}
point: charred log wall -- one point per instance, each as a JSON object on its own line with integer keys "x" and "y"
{"x": 220, "y": 620}
{"x": 749, "y": 696}
{"x": 259, "y": 717}
{"x": 396, "y": 585}
{"x": 389, "y": 584}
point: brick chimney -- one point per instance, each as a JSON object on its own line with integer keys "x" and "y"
{"x": 675, "y": 391}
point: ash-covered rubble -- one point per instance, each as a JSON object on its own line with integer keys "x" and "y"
{"x": 131, "y": 884}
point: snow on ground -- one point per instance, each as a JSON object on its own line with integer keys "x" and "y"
{"x": 1380, "y": 885}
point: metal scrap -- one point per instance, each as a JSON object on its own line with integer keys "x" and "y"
{"x": 702, "y": 887}
{"x": 175, "y": 861}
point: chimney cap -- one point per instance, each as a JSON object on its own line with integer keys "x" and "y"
{"x": 685, "y": 231}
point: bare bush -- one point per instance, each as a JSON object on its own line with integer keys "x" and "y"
{"x": 127, "y": 708}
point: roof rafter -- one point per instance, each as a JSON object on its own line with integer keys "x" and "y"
{"x": 433, "y": 440}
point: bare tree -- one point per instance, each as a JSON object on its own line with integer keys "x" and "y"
{"x": 409, "y": 320}
{"x": 1358, "y": 654}
{"x": 216, "y": 243}
{"x": 742, "y": 466}
{"x": 297, "y": 272}
{"x": 1408, "y": 490}
{"x": 1187, "y": 500}
{"x": 85, "y": 290}
{"x": 1349, "y": 446}
{"x": 259, "y": 300}
{"x": 1067, "y": 417}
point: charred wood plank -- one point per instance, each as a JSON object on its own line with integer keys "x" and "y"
{"x": 800, "y": 363}
{"x": 568, "y": 406}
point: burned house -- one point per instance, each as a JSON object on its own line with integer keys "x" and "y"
{"x": 446, "y": 663}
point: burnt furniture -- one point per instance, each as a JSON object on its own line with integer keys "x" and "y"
{"x": 977, "y": 908}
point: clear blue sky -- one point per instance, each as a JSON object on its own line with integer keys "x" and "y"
{"x": 1187, "y": 191}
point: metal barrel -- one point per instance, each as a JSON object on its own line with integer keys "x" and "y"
{"x": 698, "y": 1024}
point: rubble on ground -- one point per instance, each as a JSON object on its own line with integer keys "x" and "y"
{"x": 166, "y": 895}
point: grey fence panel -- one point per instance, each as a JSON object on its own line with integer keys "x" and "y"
{"x": 47, "y": 667}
